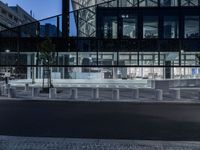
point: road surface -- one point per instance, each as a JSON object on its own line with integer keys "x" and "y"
{"x": 101, "y": 120}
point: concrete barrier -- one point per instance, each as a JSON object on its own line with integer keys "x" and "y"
{"x": 175, "y": 93}
{"x": 7, "y": 86}
{"x": 52, "y": 93}
{"x": 35, "y": 91}
{"x": 115, "y": 94}
{"x": 95, "y": 93}
{"x": 12, "y": 92}
{"x": 159, "y": 95}
{"x": 1, "y": 92}
{"x": 74, "y": 93}
{"x": 135, "y": 93}
{"x": 26, "y": 87}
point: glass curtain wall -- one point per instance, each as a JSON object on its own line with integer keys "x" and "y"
{"x": 129, "y": 26}
{"x": 168, "y": 3}
{"x": 189, "y": 2}
{"x": 110, "y": 27}
{"x": 171, "y": 27}
{"x": 191, "y": 26}
{"x": 148, "y": 3}
{"x": 150, "y": 27}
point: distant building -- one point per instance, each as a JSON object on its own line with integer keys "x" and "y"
{"x": 11, "y": 16}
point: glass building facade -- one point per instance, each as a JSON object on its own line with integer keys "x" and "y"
{"x": 111, "y": 39}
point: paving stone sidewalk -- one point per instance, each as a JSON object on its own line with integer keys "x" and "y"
{"x": 28, "y": 143}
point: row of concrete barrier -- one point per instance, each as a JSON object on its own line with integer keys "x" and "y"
{"x": 136, "y": 93}
{"x": 95, "y": 94}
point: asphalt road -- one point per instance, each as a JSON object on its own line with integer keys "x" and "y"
{"x": 105, "y": 120}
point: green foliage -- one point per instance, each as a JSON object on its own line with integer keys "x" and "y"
{"x": 47, "y": 55}
{"x": 198, "y": 58}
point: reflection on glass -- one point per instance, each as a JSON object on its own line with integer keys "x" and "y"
{"x": 148, "y": 3}
{"x": 110, "y": 27}
{"x": 150, "y": 27}
{"x": 87, "y": 58}
{"x": 107, "y": 58}
{"x": 148, "y": 58}
{"x": 128, "y": 58}
{"x": 191, "y": 26}
{"x": 189, "y": 2}
{"x": 169, "y": 2}
{"x": 171, "y": 29}
{"x": 128, "y": 3}
{"x": 129, "y": 26}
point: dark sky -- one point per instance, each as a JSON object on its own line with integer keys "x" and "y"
{"x": 41, "y": 8}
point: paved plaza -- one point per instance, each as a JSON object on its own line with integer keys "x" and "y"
{"x": 28, "y": 143}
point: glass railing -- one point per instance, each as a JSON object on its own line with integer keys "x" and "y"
{"x": 82, "y": 22}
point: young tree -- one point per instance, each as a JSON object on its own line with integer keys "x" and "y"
{"x": 47, "y": 57}
{"x": 198, "y": 58}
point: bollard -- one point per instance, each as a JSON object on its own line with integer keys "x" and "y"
{"x": 176, "y": 94}
{"x": 26, "y": 87}
{"x": 11, "y": 93}
{"x": 199, "y": 95}
{"x": 95, "y": 93}
{"x": 159, "y": 94}
{"x": 115, "y": 94}
{"x": 74, "y": 93}
{"x": 6, "y": 88}
{"x": 135, "y": 93}
{"x": 35, "y": 91}
{"x": 52, "y": 93}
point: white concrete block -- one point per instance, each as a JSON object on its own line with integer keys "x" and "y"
{"x": 26, "y": 87}
{"x": 11, "y": 92}
{"x": 74, "y": 93}
{"x": 159, "y": 95}
{"x": 135, "y": 93}
{"x": 115, "y": 94}
{"x": 175, "y": 93}
{"x": 35, "y": 91}
{"x": 52, "y": 93}
{"x": 95, "y": 93}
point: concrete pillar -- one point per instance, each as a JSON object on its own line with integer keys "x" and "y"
{"x": 115, "y": 94}
{"x": 135, "y": 93}
{"x": 159, "y": 95}
{"x": 95, "y": 93}
{"x": 35, "y": 91}
{"x": 52, "y": 93}
{"x": 11, "y": 92}
{"x": 74, "y": 93}
{"x": 26, "y": 87}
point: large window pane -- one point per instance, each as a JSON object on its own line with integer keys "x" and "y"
{"x": 87, "y": 58}
{"x": 171, "y": 29}
{"x": 110, "y": 27}
{"x": 189, "y": 2}
{"x": 128, "y": 3}
{"x": 128, "y": 58}
{"x": 191, "y": 26}
{"x": 169, "y": 2}
{"x": 148, "y": 3}
{"x": 150, "y": 27}
{"x": 129, "y": 26}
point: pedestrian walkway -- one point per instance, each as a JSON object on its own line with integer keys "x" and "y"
{"x": 28, "y": 143}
